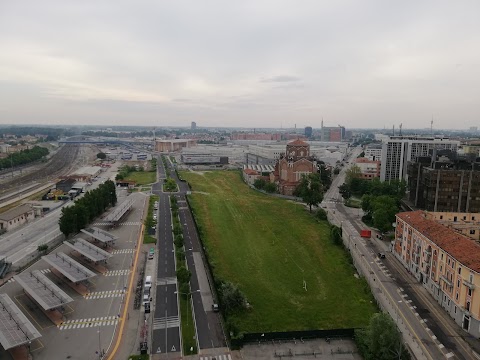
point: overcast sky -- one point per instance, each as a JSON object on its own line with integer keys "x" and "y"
{"x": 241, "y": 63}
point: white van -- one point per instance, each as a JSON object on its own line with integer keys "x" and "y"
{"x": 148, "y": 282}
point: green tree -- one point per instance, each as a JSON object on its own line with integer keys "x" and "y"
{"x": 344, "y": 190}
{"x": 352, "y": 173}
{"x": 232, "y": 297}
{"x": 259, "y": 184}
{"x": 101, "y": 156}
{"x": 270, "y": 187}
{"x": 310, "y": 189}
{"x": 381, "y": 340}
{"x": 42, "y": 248}
{"x": 321, "y": 214}
{"x": 183, "y": 275}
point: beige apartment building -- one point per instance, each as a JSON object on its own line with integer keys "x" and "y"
{"x": 446, "y": 262}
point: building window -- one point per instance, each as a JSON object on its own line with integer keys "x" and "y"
{"x": 469, "y": 292}
{"x": 472, "y": 232}
{"x": 473, "y": 218}
{"x": 464, "y": 218}
{"x": 459, "y": 270}
{"x": 458, "y": 283}
{"x": 441, "y": 257}
{"x": 455, "y": 310}
{"x": 456, "y": 296}
{"x": 454, "y": 218}
{"x": 441, "y": 217}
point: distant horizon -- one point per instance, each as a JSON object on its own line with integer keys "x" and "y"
{"x": 199, "y": 127}
{"x": 369, "y": 64}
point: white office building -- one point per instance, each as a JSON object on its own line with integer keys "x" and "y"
{"x": 397, "y": 151}
{"x": 374, "y": 152}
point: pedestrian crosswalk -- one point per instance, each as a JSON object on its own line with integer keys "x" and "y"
{"x": 216, "y": 357}
{"x": 168, "y": 322}
{"x": 104, "y": 294}
{"x": 166, "y": 281}
{"x": 43, "y": 271}
{"x": 117, "y": 272}
{"x": 87, "y": 323}
{"x": 123, "y": 251}
{"x": 127, "y": 223}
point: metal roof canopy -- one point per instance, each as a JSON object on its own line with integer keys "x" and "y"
{"x": 119, "y": 211}
{"x": 89, "y": 250}
{"x": 15, "y": 328}
{"x": 74, "y": 271}
{"x": 100, "y": 235}
{"x": 43, "y": 290}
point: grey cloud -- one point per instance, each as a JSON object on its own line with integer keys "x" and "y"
{"x": 280, "y": 78}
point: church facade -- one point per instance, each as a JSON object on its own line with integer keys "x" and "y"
{"x": 292, "y": 165}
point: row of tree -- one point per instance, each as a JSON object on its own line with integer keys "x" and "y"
{"x": 380, "y": 200}
{"x": 23, "y": 157}
{"x": 86, "y": 209}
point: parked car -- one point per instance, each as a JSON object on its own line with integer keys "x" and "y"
{"x": 381, "y": 255}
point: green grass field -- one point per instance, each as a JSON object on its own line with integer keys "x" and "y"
{"x": 269, "y": 246}
{"x": 142, "y": 177}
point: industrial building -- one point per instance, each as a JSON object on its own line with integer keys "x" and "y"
{"x": 174, "y": 144}
{"x": 203, "y": 159}
{"x": 397, "y": 151}
{"x": 444, "y": 183}
{"x": 15, "y": 217}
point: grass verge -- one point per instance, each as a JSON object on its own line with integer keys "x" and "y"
{"x": 271, "y": 248}
{"x": 149, "y": 222}
{"x": 142, "y": 177}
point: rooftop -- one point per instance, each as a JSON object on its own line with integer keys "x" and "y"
{"x": 250, "y": 172}
{"x": 71, "y": 269}
{"x": 15, "y": 212}
{"x": 88, "y": 170}
{"x": 462, "y": 248}
{"x": 298, "y": 142}
{"x": 15, "y": 328}
{"x": 99, "y": 234}
{"x": 43, "y": 290}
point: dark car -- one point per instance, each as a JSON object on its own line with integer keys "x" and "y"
{"x": 381, "y": 255}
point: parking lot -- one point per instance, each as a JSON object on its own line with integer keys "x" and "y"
{"x": 88, "y": 323}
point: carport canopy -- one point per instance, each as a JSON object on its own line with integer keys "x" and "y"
{"x": 15, "y": 328}
{"x": 119, "y": 211}
{"x": 48, "y": 295}
{"x": 89, "y": 250}
{"x": 98, "y": 234}
{"x": 71, "y": 269}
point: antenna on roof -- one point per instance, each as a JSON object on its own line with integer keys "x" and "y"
{"x": 431, "y": 126}
{"x": 393, "y": 130}
{"x": 400, "y": 130}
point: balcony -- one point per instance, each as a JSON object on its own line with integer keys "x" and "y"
{"x": 468, "y": 284}
{"x": 445, "y": 279}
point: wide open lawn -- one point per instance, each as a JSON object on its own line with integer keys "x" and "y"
{"x": 269, "y": 246}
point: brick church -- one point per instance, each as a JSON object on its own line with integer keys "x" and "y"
{"x": 292, "y": 165}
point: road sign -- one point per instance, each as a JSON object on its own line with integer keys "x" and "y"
{"x": 159, "y": 350}
{"x": 173, "y": 348}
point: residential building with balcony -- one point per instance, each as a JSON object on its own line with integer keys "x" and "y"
{"x": 445, "y": 262}
{"x": 369, "y": 169}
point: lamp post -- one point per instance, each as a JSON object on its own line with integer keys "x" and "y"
{"x": 99, "y": 345}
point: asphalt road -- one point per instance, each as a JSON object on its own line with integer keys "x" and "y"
{"x": 208, "y": 323}
{"x": 166, "y": 324}
{"x": 438, "y": 323}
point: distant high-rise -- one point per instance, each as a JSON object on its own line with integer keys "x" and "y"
{"x": 308, "y": 131}
{"x": 332, "y": 133}
{"x": 194, "y": 125}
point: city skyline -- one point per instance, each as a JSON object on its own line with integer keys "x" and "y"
{"x": 250, "y": 65}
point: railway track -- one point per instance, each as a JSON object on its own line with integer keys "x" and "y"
{"x": 60, "y": 164}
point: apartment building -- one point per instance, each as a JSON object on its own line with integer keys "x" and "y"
{"x": 446, "y": 262}
{"x": 397, "y": 151}
{"x": 373, "y": 152}
{"x": 369, "y": 169}
{"x": 467, "y": 224}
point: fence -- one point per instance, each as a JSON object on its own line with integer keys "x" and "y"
{"x": 293, "y": 335}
